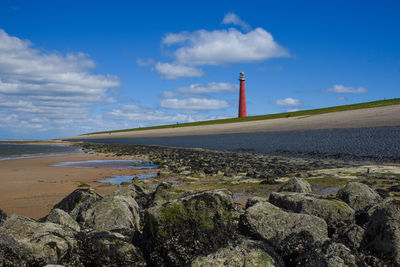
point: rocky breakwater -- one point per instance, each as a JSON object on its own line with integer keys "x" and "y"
{"x": 175, "y": 227}
{"x": 200, "y": 162}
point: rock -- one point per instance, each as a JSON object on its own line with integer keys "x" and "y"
{"x": 59, "y": 216}
{"x": 352, "y": 236}
{"x": 166, "y": 192}
{"x": 254, "y": 200}
{"x": 301, "y": 250}
{"x": 24, "y": 241}
{"x": 295, "y": 184}
{"x": 382, "y": 235}
{"x": 3, "y": 216}
{"x": 181, "y": 229}
{"x": 109, "y": 249}
{"x": 266, "y": 221}
{"x": 336, "y": 213}
{"x": 247, "y": 253}
{"x": 359, "y": 196}
{"x": 76, "y": 203}
{"x": 141, "y": 195}
{"x": 337, "y": 254}
{"x": 114, "y": 213}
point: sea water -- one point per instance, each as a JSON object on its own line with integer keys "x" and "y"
{"x": 15, "y": 151}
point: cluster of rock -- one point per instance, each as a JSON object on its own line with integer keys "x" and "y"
{"x": 174, "y": 227}
{"x": 207, "y": 162}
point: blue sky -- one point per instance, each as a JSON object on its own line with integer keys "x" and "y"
{"x": 70, "y": 67}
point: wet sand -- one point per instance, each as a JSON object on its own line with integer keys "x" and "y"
{"x": 31, "y": 187}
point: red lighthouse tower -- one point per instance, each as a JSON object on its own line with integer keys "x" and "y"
{"x": 242, "y": 96}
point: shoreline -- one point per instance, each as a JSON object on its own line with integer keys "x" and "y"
{"x": 32, "y": 186}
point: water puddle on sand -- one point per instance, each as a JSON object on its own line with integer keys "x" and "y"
{"x": 107, "y": 164}
{"x": 119, "y": 179}
{"x": 116, "y": 165}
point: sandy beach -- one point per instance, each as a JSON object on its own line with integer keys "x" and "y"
{"x": 32, "y": 186}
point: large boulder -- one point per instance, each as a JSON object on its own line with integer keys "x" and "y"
{"x": 25, "y": 242}
{"x": 336, "y": 213}
{"x": 141, "y": 195}
{"x": 3, "y": 216}
{"x": 114, "y": 213}
{"x": 59, "y": 216}
{"x": 296, "y": 184}
{"x": 246, "y": 254}
{"x": 268, "y": 222}
{"x": 301, "y": 250}
{"x": 360, "y": 197}
{"x": 382, "y": 235}
{"x": 166, "y": 192}
{"x": 103, "y": 248}
{"x": 352, "y": 236}
{"x": 181, "y": 229}
{"x": 337, "y": 255}
{"x": 76, "y": 203}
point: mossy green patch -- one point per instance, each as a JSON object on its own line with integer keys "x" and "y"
{"x": 340, "y": 204}
{"x": 193, "y": 212}
{"x": 82, "y": 184}
{"x": 327, "y": 182}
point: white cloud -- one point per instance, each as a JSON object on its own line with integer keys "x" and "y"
{"x": 174, "y": 71}
{"x": 145, "y": 62}
{"x": 220, "y": 47}
{"x": 193, "y": 104}
{"x": 340, "y": 89}
{"x": 213, "y": 87}
{"x": 57, "y": 89}
{"x": 288, "y": 102}
{"x": 146, "y": 117}
{"x": 234, "y": 19}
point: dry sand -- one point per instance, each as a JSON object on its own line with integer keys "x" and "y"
{"x": 31, "y": 187}
{"x": 360, "y": 118}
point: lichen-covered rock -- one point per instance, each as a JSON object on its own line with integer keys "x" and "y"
{"x": 109, "y": 249}
{"x": 382, "y": 235}
{"x": 181, "y": 229}
{"x": 266, "y": 221}
{"x": 352, "y": 236}
{"x": 76, "y": 203}
{"x": 3, "y": 216}
{"x": 248, "y": 253}
{"x": 296, "y": 184}
{"x": 59, "y": 216}
{"x": 254, "y": 200}
{"x": 301, "y": 250}
{"x": 141, "y": 195}
{"x": 114, "y": 213}
{"x": 359, "y": 196}
{"x": 337, "y": 255}
{"x": 25, "y": 242}
{"x": 166, "y": 192}
{"x": 336, "y": 213}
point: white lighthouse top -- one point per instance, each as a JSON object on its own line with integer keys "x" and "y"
{"x": 242, "y": 77}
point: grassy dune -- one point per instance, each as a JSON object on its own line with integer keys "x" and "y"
{"x": 372, "y": 104}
